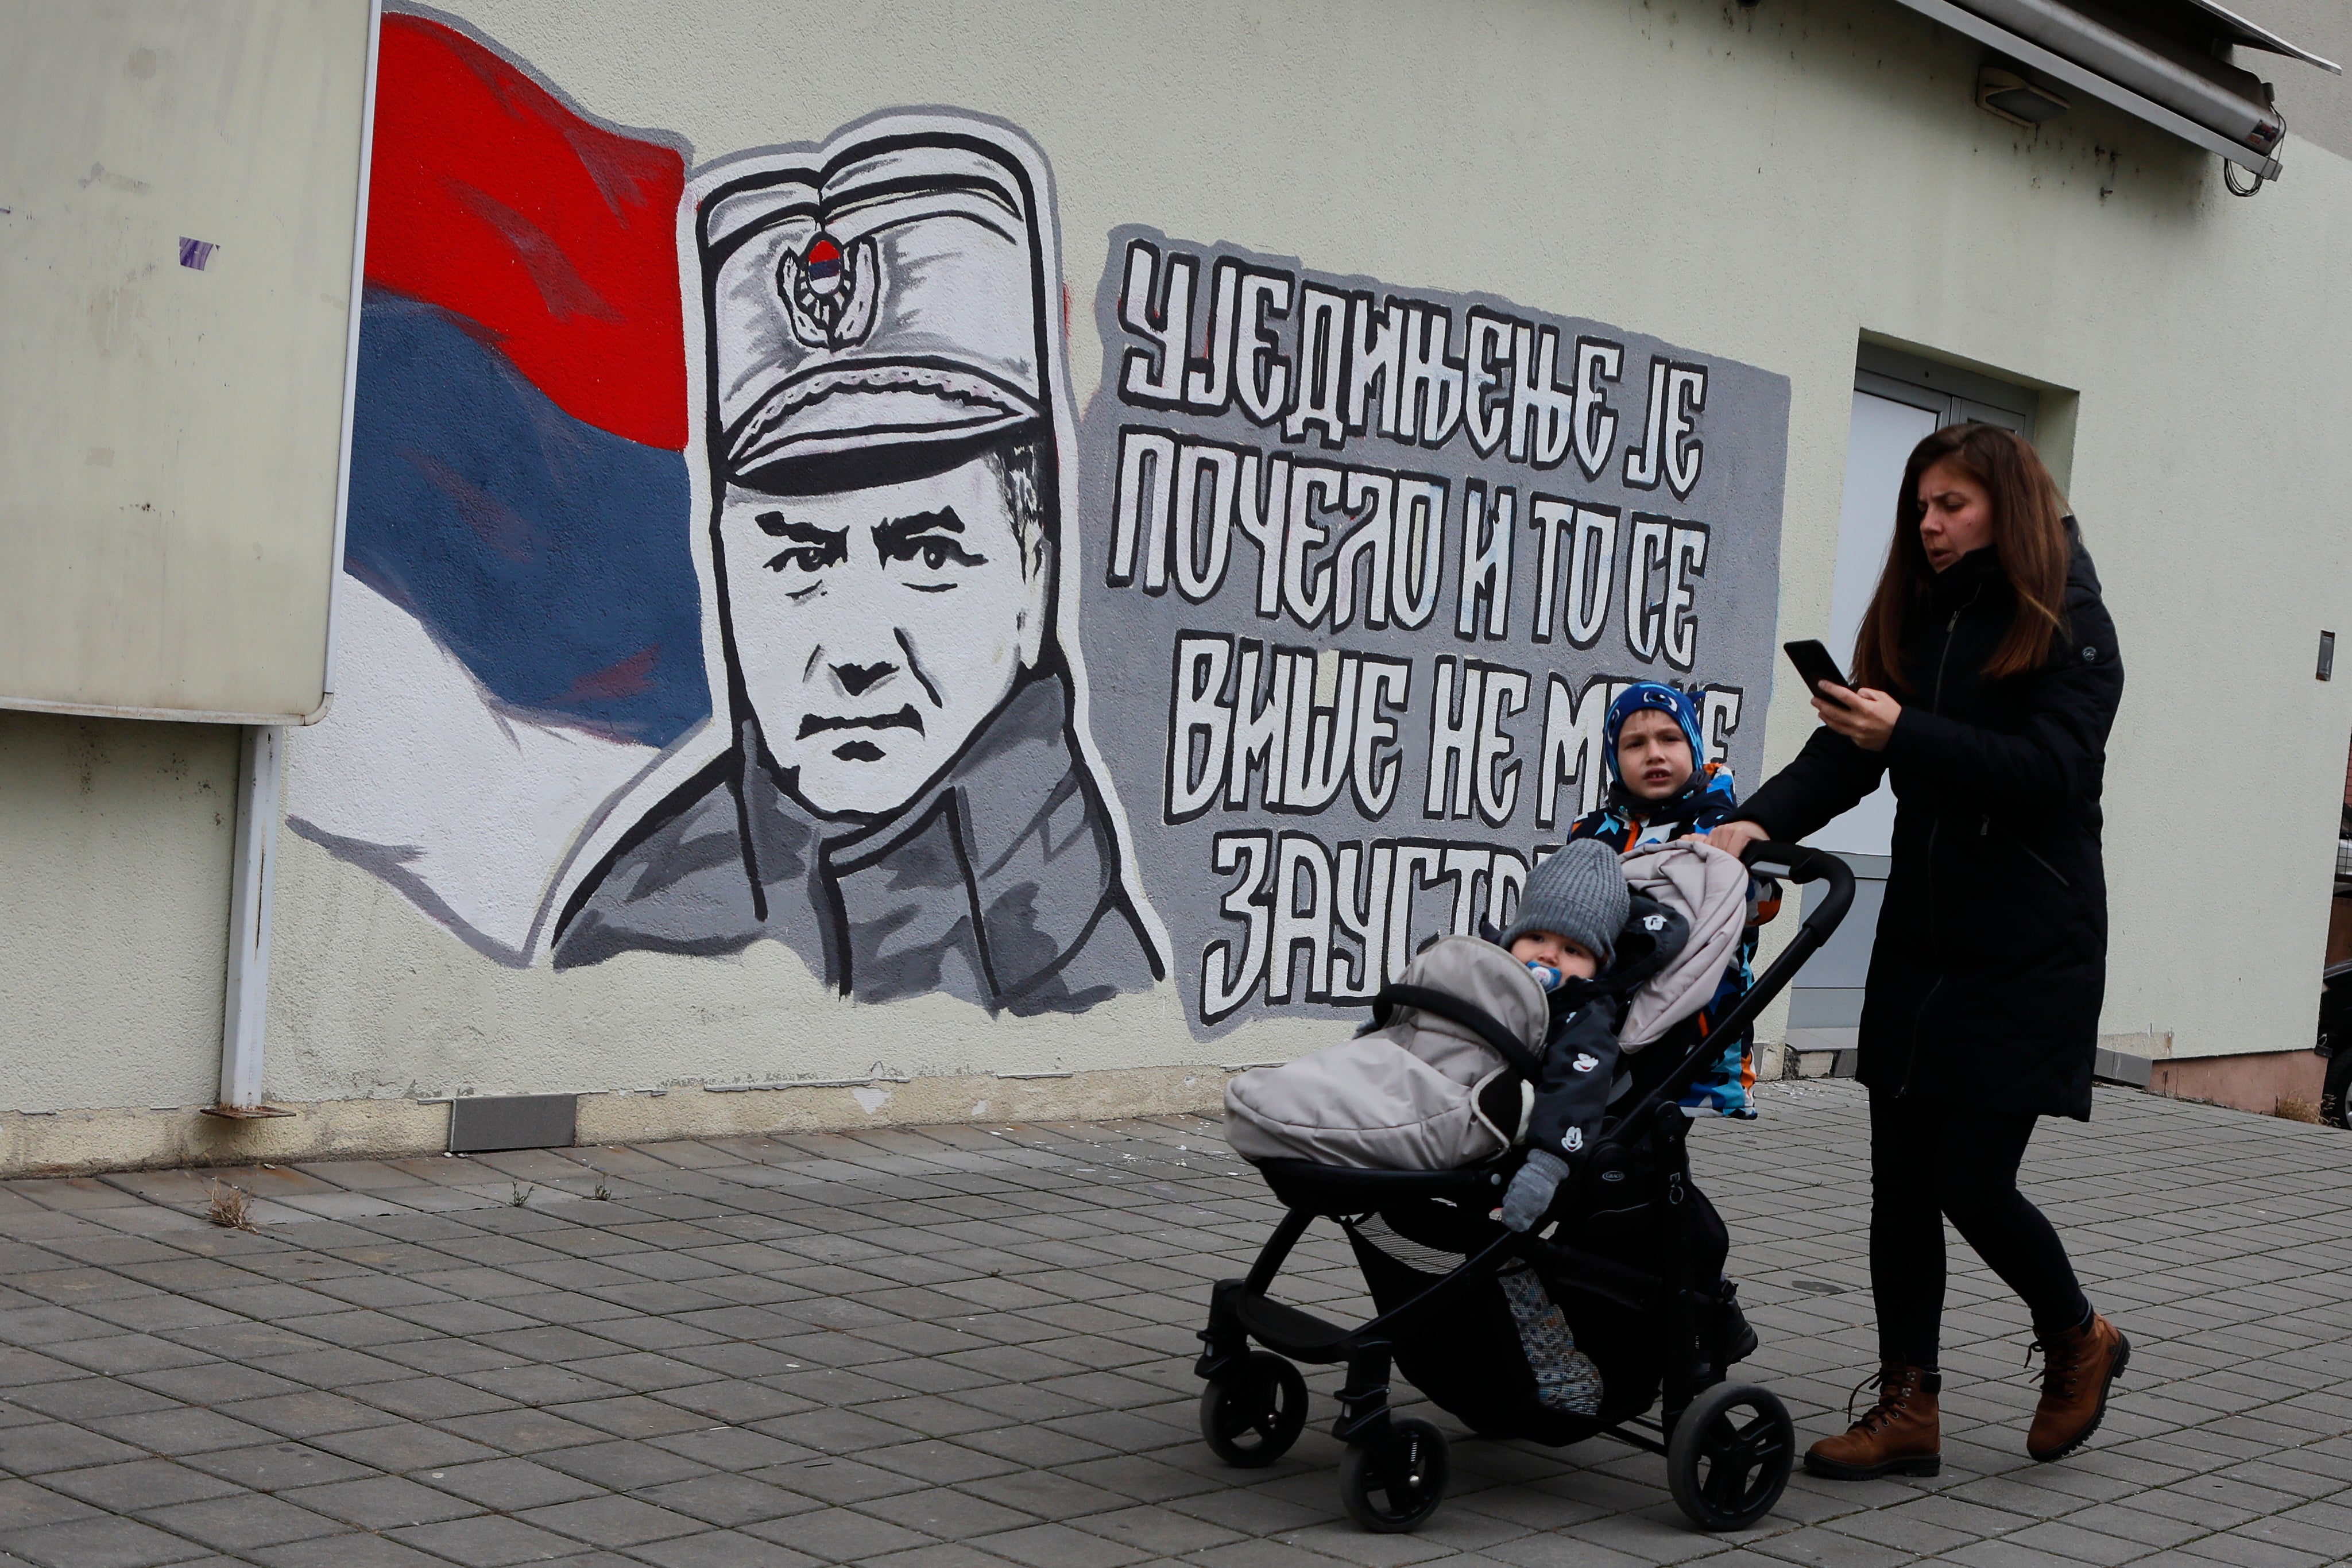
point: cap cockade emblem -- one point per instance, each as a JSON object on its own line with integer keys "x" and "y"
{"x": 829, "y": 289}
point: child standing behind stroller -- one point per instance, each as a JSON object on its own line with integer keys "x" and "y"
{"x": 1661, "y": 790}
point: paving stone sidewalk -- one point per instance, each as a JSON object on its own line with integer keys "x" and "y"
{"x": 973, "y": 1346}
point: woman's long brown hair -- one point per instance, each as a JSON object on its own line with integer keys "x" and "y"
{"x": 2029, "y": 535}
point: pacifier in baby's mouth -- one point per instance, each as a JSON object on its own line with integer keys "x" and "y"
{"x": 1545, "y": 975}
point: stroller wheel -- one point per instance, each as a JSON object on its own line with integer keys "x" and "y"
{"x": 1730, "y": 1456}
{"x": 1397, "y": 1489}
{"x": 1250, "y": 1416}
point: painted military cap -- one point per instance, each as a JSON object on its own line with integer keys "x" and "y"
{"x": 884, "y": 293}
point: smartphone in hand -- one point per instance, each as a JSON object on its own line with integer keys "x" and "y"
{"x": 1813, "y": 662}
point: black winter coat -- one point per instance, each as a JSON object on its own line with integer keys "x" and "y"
{"x": 1991, "y": 956}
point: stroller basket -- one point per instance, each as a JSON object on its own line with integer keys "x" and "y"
{"x": 1634, "y": 1276}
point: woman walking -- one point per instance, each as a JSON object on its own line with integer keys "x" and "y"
{"x": 1988, "y": 678}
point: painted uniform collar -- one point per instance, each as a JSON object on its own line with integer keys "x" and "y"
{"x": 1013, "y": 806}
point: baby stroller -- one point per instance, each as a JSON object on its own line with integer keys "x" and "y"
{"x": 1636, "y": 1267}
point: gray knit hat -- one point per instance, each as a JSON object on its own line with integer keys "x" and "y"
{"x": 1579, "y": 894}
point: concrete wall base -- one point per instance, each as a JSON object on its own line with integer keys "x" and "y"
{"x": 2123, "y": 1059}
{"x": 63, "y": 1142}
{"x": 2256, "y": 1082}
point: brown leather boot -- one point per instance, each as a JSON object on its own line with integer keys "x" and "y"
{"x": 1900, "y": 1434}
{"x": 2076, "y": 1369}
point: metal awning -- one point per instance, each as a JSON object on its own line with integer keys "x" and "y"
{"x": 2145, "y": 64}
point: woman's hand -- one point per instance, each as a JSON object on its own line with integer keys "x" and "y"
{"x": 1867, "y": 717}
{"x": 1733, "y": 837}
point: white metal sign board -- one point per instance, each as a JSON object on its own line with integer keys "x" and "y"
{"x": 179, "y": 193}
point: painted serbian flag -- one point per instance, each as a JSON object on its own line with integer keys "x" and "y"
{"x": 523, "y": 582}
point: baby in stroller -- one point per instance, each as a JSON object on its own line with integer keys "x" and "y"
{"x": 1572, "y": 920}
{"x": 1482, "y": 1047}
{"x": 1519, "y": 1072}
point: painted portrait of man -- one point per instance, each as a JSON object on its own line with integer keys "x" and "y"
{"x": 885, "y": 424}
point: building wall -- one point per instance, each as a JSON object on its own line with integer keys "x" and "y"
{"x": 115, "y": 837}
{"x": 2318, "y": 106}
{"x": 1767, "y": 185}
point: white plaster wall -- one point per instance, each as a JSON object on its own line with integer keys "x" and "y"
{"x": 114, "y": 859}
{"x": 1765, "y": 184}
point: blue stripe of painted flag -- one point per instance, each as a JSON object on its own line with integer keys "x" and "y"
{"x": 550, "y": 556}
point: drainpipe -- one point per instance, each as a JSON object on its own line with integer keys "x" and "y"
{"x": 246, "y": 1008}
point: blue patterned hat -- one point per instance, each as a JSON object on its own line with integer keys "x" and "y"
{"x": 1665, "y": 698}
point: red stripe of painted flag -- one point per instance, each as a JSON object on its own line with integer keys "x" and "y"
{"x": 491, "y": 199}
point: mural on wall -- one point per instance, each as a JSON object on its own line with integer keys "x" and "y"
{"x": 1371, "y": 562}
{"x": 727, "y": 562}
{"x": 683, "y": 615}
{"x": 905, "y": 799}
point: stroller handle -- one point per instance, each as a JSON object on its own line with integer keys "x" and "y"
{"x": 1794, "y": 862}
{"x": 1799, "y": 863}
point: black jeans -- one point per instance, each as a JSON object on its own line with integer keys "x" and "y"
{"x": 1927, "y": 1162}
